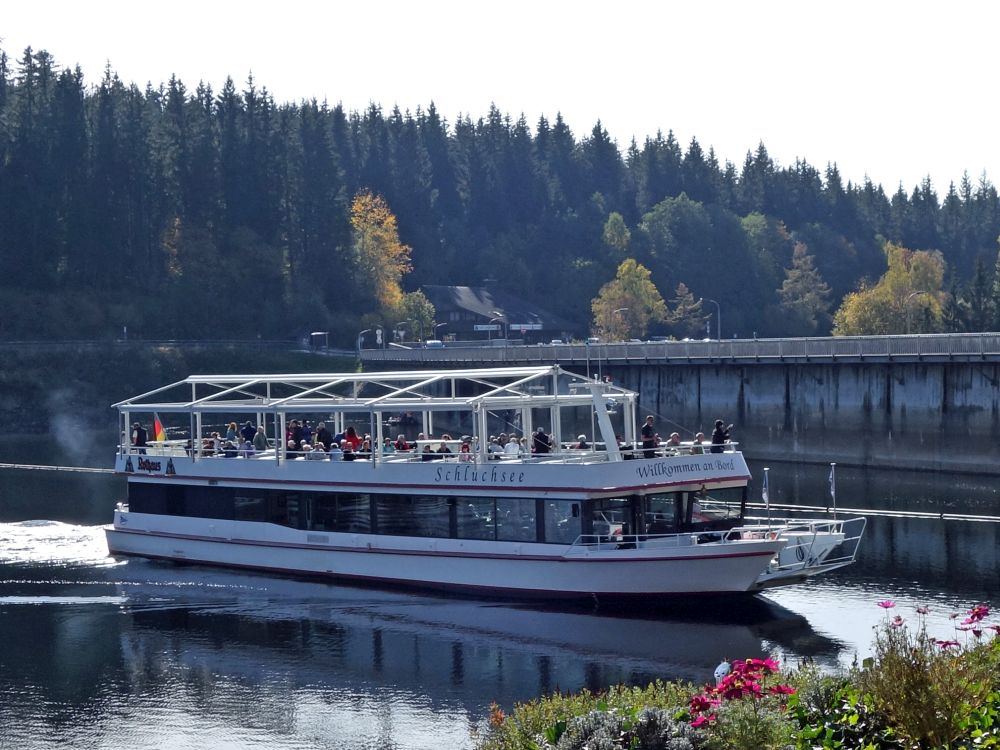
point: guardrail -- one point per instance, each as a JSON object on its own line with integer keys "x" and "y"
{"x": 921, "y": 347}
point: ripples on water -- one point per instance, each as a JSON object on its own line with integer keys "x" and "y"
{"x": 97, "y": 652}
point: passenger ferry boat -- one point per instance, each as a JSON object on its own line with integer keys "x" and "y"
{"x": 611, "y": 520}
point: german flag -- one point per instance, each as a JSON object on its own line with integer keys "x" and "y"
{"x": 159, "y": 434}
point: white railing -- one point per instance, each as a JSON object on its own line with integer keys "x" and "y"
{"x": 923, "y": 346}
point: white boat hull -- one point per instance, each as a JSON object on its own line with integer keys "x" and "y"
{"x": 677, "y": 565}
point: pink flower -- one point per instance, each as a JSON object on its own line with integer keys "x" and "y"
{"x": 995, "y": 628}
{"x": 703, "y": 719}
{"x": 897, "y": 622}
{"x": 887, "y": 604}
{"x": 977, "y": 632}
{"x": 699, "y": 703}
{"x": 947, "y": 644}
{"x": 923, "y": 610}
{"x": 782, "y": 690}
{"x": 977, "y": 614}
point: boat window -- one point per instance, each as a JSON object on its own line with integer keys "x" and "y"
{"x": 516, "y": 519}
{"x": 562, "y": 521}
{"x": 251, "y": 508}
{"x": 413, "y": 516}
{"x": 476, "y": 517}
{"x": 611, "y": 516}
{"x": 349, "y": 513}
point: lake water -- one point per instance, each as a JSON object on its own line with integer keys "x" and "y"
{"x": 103, "y": 653}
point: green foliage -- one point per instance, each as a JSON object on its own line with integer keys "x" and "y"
{"x": 927, "y": 692}
{"x": 548, "y": 717}
{"x": 804, "y": 295}
{"x": 908, "y": 297}
{"x": 626, "y": 306}
{"x": 179, "y": 211}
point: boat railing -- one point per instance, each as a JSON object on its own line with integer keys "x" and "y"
{"x": 812, "y": 545}
{"x": 182, "y": 447}
{"x": 603, "y": 542}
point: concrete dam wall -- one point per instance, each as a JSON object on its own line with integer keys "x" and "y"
{"x": 931, "y": 416}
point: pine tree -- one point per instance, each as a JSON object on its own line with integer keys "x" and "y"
{"x": 805, "y": 297}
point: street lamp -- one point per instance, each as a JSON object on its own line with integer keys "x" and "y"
{"x": 718, "y": 309}
{"x": 361, "y": 335}
{"x": 617, "y": 312}
{"x": 436, "y": 326}
{"x": 503, "y": 319}
{"x": 489, "y": 332}
{"x": 400, "y": 325}
{"x": 906, "y": 304}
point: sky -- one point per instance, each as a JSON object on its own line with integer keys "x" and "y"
{"x": 895, "y": 91}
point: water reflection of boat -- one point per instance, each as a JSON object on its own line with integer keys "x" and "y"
{"x": 344, "y": 632}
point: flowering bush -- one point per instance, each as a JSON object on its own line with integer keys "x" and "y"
{"x": 746, "y": 708}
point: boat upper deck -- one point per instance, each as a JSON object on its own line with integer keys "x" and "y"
{"x": 481, "y": 403}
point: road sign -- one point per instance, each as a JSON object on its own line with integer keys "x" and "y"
{"x": 486, "y": 327}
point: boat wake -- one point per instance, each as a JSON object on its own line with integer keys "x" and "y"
{"x": 54, "y": 544}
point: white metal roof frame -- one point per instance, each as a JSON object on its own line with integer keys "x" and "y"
{"x": 403, "y": 391}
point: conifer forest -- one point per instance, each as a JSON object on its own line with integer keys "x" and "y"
{"x": 183, "y": 212}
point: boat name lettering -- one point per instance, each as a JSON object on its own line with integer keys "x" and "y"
{"x": 471, "y": 475}
{"x": 664, "y": 469}
{"x": 146, "y": 465}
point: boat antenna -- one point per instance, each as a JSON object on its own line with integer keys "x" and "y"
{"x": 764, "y": 496}
{"x": 833, "y": 487}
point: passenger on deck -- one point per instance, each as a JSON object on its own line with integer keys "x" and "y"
{"x": 337, "y": 452}
{"x": 581, "y": 443}
{"x": 139, "y": 437}
{"x": 720, "y": 436}
{"x": 443, "y": 446}
{"x": 401, "y": 444}
{"x": 648, "y": 438}
{"x": 352, "y": 438}
{"x": 317, "y": 453}
{"x": 248, "y": 432}
{"x": 513, "y": 447}
{"x": 349, "y": 454}
{"x": 427, "y": 454}
{"x": 307, "y": 431}
{"x": 292, "y": 449}
{"x": 673, "y": 444}
{"x": 231, "y": 433}
{"x": 388, "y": 447}
{"x": 323, "y": 436}
{"x": 540, "y": 442}
{"x": 697, "y": 447}
{"x": 229, "y": 449}
{"x": 365, "y": 451}
{"x": 465, "y": 453}
{"x": 246, "y": 449}
{"x": 260, "y": 440}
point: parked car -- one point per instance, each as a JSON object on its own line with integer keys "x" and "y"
{"x": 433, "y": 344}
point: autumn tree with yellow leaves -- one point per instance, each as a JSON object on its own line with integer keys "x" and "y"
{"x": 382, "y": 258}
{"x": 907, "y": 299}
{"x": 626, "y": 306}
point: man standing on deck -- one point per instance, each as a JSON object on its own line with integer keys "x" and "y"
{"x": 139, "y": 438}
{"x": 648, "y": 438}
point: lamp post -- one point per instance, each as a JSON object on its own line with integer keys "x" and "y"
{"x": 436, "y": 326}
{"x": 361, "y": 335}
{"x": 400, "y": 325}
{"x": 503, "y": 319}
{"x": 906, "y": 304}
{"x": 618, "y": 312}
{"x": 489, "y": 333}
{"x": 718, "y": 310}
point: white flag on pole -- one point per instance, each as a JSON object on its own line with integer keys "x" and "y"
{"x": 763, "y": 492}
{"x": 833, "y": 484}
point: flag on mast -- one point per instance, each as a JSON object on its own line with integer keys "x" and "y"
{"x": 763, "y": 492}
{"x": 159, "y": 434}
{"x": 833, "y": 483}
